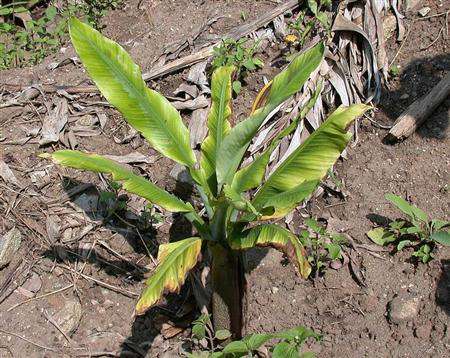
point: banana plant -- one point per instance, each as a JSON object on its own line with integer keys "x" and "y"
{"x": 235, "y": 219}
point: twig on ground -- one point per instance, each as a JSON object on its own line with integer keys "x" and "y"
{"x": 401, "y": 46}
{"x": 39, "y": 297}
{"x": 101, "y": 283}
{"x": 27, "y": 340}
{"x": 430, "y": 16}
{"x": 98, "y": 354}
{"x": 434, "y": 41}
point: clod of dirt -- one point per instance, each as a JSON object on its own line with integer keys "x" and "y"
{"x": 53, "y": 226}
{"x": 423, "y": 331}
{"x": 403, "y": 308}
{"x": 68, "y": 318}
{"x": 9, "y": 245}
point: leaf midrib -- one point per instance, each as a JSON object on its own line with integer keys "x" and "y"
{"x": 222, "y": 115}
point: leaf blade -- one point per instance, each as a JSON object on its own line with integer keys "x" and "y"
{"x": 131, "y": 182}
{"x": 119, "y": 80}
{"x": 175, "y": 261}
{"x": 442, "y": 237}
{"x": 313, "y": 158}
{"x": 218, "y": 124}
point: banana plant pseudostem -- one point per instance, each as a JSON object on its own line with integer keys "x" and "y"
{"x": 234, "y": 219}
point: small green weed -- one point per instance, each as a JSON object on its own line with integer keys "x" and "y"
{"x": 419, "y": 231}
{"x": 289, "y": 342}
{"x": 301, "y": 27}
{"x": 394, "y": 70}
{"x": 111, "y": 200}
{"x": 237, "y": 53}
{"x": 322, "y": 246}
{"x": 38, "y": 36}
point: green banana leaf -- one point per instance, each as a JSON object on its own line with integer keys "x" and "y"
{"x": 175, "y": 260}
{"x": 311, "y": 161}
{"x": 218, "y": 124}
{"x": 277, "y": 237}
{"x": 133, "y": 183}
{"x": 285, "y": 84}
{"x": 120, "y": 81}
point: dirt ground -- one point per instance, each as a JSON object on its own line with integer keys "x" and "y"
{"x": 42, "y": 288}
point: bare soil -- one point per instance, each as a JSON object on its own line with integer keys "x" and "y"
{"x": 352, "y": 317}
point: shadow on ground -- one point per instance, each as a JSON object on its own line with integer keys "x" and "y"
{"x": 137, "y": 233}
{"x": 443, "y": 287}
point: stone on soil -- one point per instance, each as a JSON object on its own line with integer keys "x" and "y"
{"x": 9, "y": 245}
{"x": 68, "y": 318}
{"x": 403, "y": 309}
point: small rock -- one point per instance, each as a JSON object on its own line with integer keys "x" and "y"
{"x": 9, "y": 245}
{"x": 404, "y": 96}
{"x": 32, "y": 285}
{"x": 180, "y": 174}
{"x": 87, "y": 203}
{"x": 424, "y": 11}
{"x": 423, "y": 331}
{"x": 403, "y": 308}
{"x": 108, "y": 303}
{"x": 53, "y": 227}
{"x": 275, "y": 290}
{"x": 68, "y": 318}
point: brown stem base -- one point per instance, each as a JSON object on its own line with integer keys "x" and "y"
{"x": 228, "y": 281}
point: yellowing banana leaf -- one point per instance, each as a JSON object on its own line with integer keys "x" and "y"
{"x": 133, "y": 183}
{"x": 175, "y": 260}
{"x": 119, "y": 80}
{"x": 311, "y": 161}
{"x": 283, "y": 86}
{"x": 252, "y": 175}
{"x": 277, "y": 237}
{"x": 218, "y": 124}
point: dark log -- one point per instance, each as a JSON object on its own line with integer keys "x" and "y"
{"x": 419, "y": 111}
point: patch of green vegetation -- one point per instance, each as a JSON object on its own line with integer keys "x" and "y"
{"x": 28, "y": 35}
{"x": 322, "y": 247}
{"x": 418, "y": 231}
{"x": 240, "y": 54}
{"x": 394, "y": 70}
{"x": 312, "y": 14}
{"x": 289, "y": 343}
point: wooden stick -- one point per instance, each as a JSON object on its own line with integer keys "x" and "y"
{"x": 419, "y": 111}
{"x": 236, "y": 34}
{"x": 182, "y": 62}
